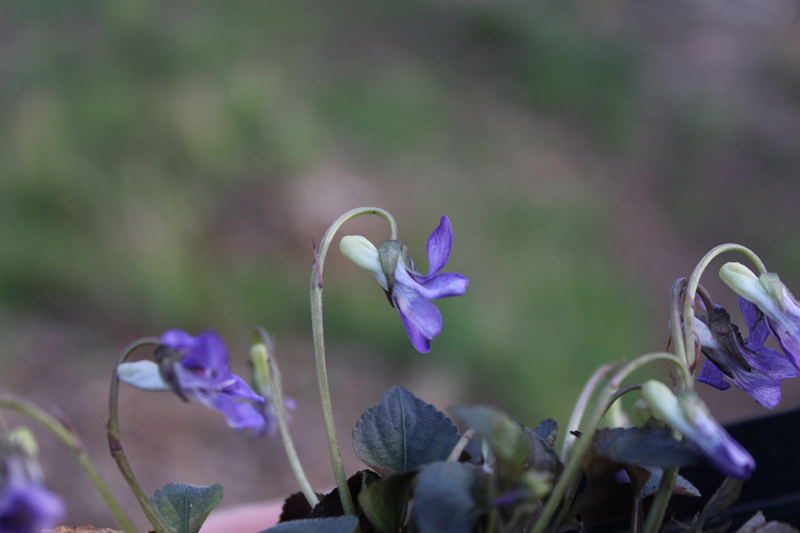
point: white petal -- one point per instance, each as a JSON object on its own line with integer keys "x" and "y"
{"x": 143, "y": 375}
{"x": 363, "y": 253}
{"x": 739, "y": 278}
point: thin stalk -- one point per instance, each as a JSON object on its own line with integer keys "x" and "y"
{"x": 573, "y": 465}
{"x": 319, "y": 345}
{"x": 73, "y": 443}
{"x": 288, "y": 443}
{"x": 115, "y": 444}
{"x": 659, "y": 507}
{"x": 460, "y": 445}
{"x": 580, "y": 407}
{"x": 694, "y": 280}
{"x": 678, "y": 342}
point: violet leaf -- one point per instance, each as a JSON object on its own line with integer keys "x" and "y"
{"x": 403, "y": 433}
{"x": 183, "y": 507}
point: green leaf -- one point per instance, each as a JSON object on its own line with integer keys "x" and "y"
{"x": 643, "y": 447}
{"x": 503, "y": 434}
{"x": 402, "y": 433}
{"x": 185, "y": 507}
{"x": 338, "y": 524}
{"x": 448, "y": 496}
{"x": 385, "y": 502}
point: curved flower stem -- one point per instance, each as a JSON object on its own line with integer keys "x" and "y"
{"x": 694, "y": 280}
{"x": 571, "y": 474}
{"x": 678, "y": 342}
{"x": 319, "y": 344}
{"x": 275, "y": 383}
{"x": 73, "y": 443}
{"x": 115, "y": 444}
{"x": 580, "y": 407}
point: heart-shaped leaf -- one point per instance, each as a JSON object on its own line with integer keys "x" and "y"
{"x": 185, "y": 507}
{"x": 448, "y": 496}
{"x": 338, "y": 524}
{"x": 402, "y": 433}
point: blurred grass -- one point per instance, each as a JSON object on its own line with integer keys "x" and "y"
{"x": 147, "y": 149}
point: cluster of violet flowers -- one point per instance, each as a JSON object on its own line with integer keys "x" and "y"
{"x": 197, "y": 368}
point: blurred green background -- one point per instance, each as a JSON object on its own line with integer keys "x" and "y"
{"x": 167, "y": 164}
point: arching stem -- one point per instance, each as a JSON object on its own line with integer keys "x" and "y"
{"x": 115, "y": 443}
{"x": 319, "y": 344}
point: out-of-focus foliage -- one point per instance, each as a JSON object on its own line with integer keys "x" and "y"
{"x": 166, "y": 164}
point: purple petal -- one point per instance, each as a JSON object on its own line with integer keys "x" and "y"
{"x": 239, "y": 415}
{"x": 443, "y": 286}
{"x": 758, "y": 335}
{"x": 439, "y": 245}
{"x": 788, "y": 338}
{"x": 178, "y": 340}
{"x": 420, "y": 342}
{"x": 419, "y": 311}
{"x": 719, "y": 448}
{"x": 774, "y": 364}
{"x": 236, "y": 387}
{"x": 208, "y": 355}
{"x": 711, "y": 375}
{"x": 763, "y": 389}
{"x": 29, "y": 508}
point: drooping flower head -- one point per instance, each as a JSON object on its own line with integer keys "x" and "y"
{"x": 197, "y": 368}
{"x": 689, "y": 415}
{"x": 773, "y": 299}
{"x": 409, "y": 291}
{"x": 748, "y": 364}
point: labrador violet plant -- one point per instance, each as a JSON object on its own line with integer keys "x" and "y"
{"x": 424, "y": 474}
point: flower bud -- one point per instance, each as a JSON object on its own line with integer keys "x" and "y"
{"x": 688, "y": 414}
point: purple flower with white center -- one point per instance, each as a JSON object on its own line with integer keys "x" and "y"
{"x": 773, "y": 299}
{"x": 748, "y": 364}
{"x": 197, "y": 368}
{"x": 408, "y": 290}
{"x": 689, "y": 415}
{"x": 26, "y": 506}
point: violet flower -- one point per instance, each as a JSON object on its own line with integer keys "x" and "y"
{"x": 748, "y": 364}
{"x": 408, "y": 290}
{"x": 197, "y": 368}
{"x": 772, "y": 298}
{"x": 689, "y": 415}
{"x": 26, "y": 506}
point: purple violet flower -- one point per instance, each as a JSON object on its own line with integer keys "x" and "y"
{"x": 773, "y": 299}
{"x": 200, "y": 371}
{"x": 689, "y": 415}
{"x": 408, "y": 290}
{"x": 748, "y": 364}
{"x": 26, "y": 506}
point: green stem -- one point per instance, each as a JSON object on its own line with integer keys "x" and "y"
{"x": 73, "y": 443}
{"x": 275, "y": 382}
{"x": 570, "y": 475}
{"x": 115, "y": 444}
{"x": 659, "y": 507}
{"x": 694, "y": 280}
{"x": 678, "y": 342}
{"x": 580, "y": 407}
{"x": 319, "y": 345}
{"x": 460, "y": 445}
